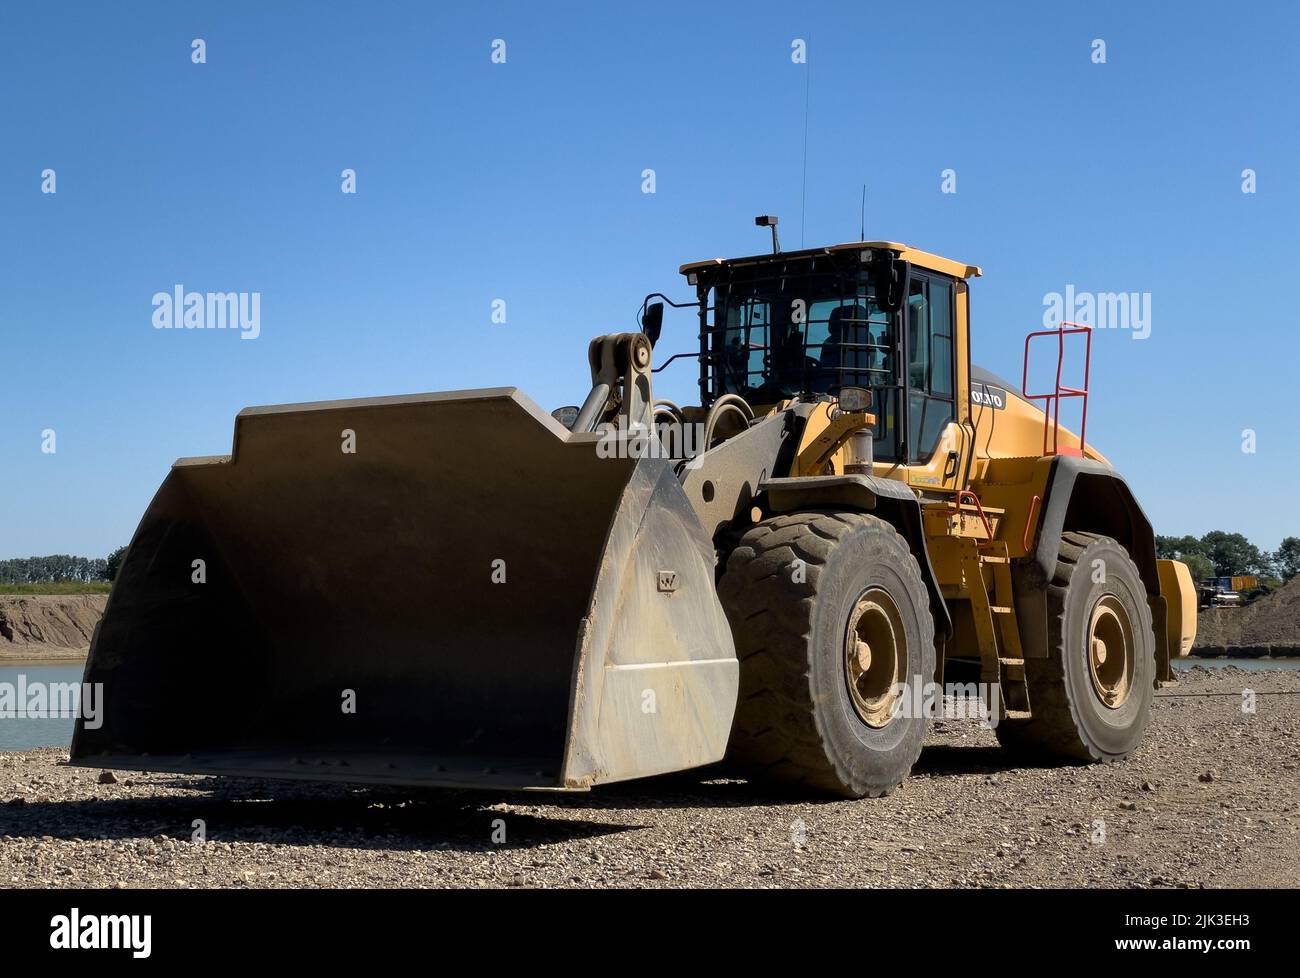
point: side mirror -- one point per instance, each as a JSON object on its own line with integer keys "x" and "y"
{"x": 892, "y": 279}
{"x": 566, "y": 415}
{"x": 652, "y": 321}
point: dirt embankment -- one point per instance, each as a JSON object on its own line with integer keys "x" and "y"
{"x": 45, "y": 626}
{"x": 1270, "y": 625}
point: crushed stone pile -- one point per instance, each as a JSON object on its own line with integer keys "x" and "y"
{"x": 1271, "y": 622}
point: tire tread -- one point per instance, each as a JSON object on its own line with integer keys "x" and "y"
{"x": 776, "y": 733}
{"x": 1055, "y": 729}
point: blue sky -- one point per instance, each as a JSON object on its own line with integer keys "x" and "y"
{"x": 522, "y": 181}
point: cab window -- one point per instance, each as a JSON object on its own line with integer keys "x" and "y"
{"x": 930, "y": 378}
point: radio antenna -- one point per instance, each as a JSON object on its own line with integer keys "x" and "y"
{"x": 862, "y": 234}
{"x": 803, "y": 191}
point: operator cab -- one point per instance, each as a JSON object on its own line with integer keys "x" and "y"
{"x": 803, "y": 324}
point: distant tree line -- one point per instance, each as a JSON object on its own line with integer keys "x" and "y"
{"x": 60, "y": 568}
{"x": 1222, "y": 554}
{"x": 1217, "y": 554}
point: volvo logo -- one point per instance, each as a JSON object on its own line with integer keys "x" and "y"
{"x": 993, "y": 397}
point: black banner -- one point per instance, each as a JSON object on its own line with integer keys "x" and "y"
{"x": 144, "y": 927}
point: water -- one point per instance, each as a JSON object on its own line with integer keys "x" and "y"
{"x": 25, "y": 733}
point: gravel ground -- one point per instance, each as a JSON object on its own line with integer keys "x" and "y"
{"x": 1212, "y": 799}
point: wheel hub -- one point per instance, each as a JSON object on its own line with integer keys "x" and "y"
{"x": 864, "y": 656}
{"x": 875, "y": 657}
{"x": 1111, "y": 653}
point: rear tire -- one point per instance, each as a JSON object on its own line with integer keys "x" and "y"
{"x": 1091, "y": 695}
{"x": 816, "y": 710}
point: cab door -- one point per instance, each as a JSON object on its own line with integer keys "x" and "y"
{"x": 936, "y": 444}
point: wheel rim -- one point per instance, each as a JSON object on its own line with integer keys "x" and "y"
{"x": 1110, "y": 651}
{"x": 875, "y": 657}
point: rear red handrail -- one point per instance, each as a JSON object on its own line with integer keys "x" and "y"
{"x": 979, "y": 508}
{"x": 1052, "y": 401}
{"x": 1029, "y": 520}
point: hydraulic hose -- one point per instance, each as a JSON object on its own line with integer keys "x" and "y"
{"x": 724, "y": 405}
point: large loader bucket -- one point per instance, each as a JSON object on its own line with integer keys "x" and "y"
{"x": 442, "y": 589}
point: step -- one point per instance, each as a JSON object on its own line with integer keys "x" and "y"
{"x": 1013, "y": 669}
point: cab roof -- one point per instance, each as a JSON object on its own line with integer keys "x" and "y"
{"x": 925, "y": 259}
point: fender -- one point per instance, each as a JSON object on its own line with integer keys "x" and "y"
{"x": 890, "y": 500}
{"x": 1089, "y": 496}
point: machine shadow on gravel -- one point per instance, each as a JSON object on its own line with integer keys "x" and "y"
{"x": 716, "y": 786}
{"x": 951, "y": 760}
{"x": 249, "y": 812}
{"x": 239, "y": 810}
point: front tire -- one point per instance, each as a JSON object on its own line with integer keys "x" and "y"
{"x": 830, "y": 616}
{"x": 1091, "y": 695}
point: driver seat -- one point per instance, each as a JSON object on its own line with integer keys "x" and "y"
{"x": 845, "y": 346}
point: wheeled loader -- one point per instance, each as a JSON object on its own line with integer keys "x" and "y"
{"x": 464, "y": 590}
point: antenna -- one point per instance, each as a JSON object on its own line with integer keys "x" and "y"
{"x": 803, "y": 191}
{"x": 862, "y": 234}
